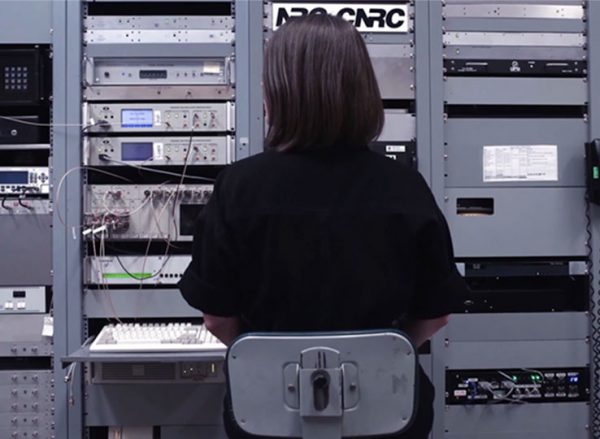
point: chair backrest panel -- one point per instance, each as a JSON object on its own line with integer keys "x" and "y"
{"x": 281, "y": 382}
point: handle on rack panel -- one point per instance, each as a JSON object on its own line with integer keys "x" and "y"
{"x": 592, "y": 165}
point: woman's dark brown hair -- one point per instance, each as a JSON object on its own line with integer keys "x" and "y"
{"x": 320, "y": 87}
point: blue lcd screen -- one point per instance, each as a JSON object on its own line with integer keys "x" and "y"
{"x": 141, "y": 118}
{"x": 136, "y": 151}
{"x": 14, "y": 177}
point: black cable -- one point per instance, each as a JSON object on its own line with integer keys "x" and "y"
{"x": 594, "y": 306}
{"x": 24, "y": 205}
{"x": 23, "y": 195}
{"x": 4, "y": 204}
{"x": 101, "y": 123}
{"x": 131, "y": 275}
{"x": 142, "y": 278}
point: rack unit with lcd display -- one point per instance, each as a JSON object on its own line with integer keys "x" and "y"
{"x": 159, "y": 112}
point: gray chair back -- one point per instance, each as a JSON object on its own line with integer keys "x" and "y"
{"x": 325, "y": 385}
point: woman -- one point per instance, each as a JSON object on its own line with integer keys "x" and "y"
{"x": 318, "y": 232}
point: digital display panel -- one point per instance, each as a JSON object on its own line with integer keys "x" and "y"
{"x": 136, "y": 151}
{"x": 18, "y": 294}
{"x": 138, "y": 118}
{"x": 14, "y": 177}
{"x": 153, "y": 74}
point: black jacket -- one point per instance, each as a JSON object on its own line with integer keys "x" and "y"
{"x": 335, "y": 239}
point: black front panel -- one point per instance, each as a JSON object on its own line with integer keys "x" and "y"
{"x": 514, "y": 68}
{"x": 19, "y": 131}
{"x": 25, "y": 94}
{"x": 505, "y": 386}
{"x": 403, "y": 152}
{"x": 523, "y": 286}
{"x": 24, "y": 75}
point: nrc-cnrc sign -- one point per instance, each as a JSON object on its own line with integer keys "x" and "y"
{"x": 366, "y": 17}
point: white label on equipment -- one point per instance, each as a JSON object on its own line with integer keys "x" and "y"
{"x": 395, "y": 148}
{"x": 366, "y": 17}
{"x": 158, "y": 151}
{"x": 211, "y": 68}
{"x": 520, "y": 163}
{"x": 157, "y": 118}
{"x": 48, "y": 328}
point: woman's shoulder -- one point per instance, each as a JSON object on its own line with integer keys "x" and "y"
{"x": 251, "y": 163}
{"x": 243, "y": 175}
{"x": 280, "y": 166}
{"x": 397, "y": 173}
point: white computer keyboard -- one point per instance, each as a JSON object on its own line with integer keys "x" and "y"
{"x": 155, "y": 337}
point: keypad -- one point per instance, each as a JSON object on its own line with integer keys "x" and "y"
{"x": 16, "y": 78}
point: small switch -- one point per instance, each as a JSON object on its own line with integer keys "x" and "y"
{"x": 21, "y": 305}
{"x": 8, "y": 305}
